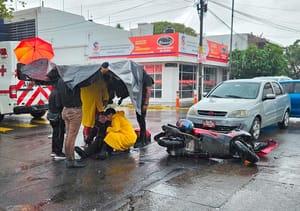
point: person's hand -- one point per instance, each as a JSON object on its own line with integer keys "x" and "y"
{"x": 145, "y": 107}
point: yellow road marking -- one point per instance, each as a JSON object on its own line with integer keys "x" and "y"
{"x": 45, "y": 122}
{"x": 4, "y": 129}
{"x": 24, "y": 125}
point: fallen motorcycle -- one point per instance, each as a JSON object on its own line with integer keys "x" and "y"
{"x": 183, "y": 139}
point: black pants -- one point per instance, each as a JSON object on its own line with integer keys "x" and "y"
{"x": 97, "y": 146}
{"x": 94, "y": 147}
{"x": 58, "y": 131}
{"x": 141, "y": 119}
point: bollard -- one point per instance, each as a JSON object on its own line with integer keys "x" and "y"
{"x": 195, "y": 97}
{"x": 177, "y": 99}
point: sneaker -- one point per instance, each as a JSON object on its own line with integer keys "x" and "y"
{"x": 81, "y": 152}
{"x": 73, "y": 164}
{"x": 60, "y": 156}
{"x": 53, "y": 154}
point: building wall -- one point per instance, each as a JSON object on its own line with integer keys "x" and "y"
{"x": 73, "y": 39}
{"x": 170, "y": 78}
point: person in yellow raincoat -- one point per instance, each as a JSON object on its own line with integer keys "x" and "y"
{"x": 94, "y": 98}
{"x": 120, "y": 135}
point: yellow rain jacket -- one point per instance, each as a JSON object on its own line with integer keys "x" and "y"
{"x": 92, "y": 98}
{"x": 120, "y": 135}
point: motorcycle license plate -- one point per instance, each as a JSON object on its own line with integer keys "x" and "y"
{"x": 209, "y": 123}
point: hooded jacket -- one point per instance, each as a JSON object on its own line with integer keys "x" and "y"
{"x": 121, "y": 134}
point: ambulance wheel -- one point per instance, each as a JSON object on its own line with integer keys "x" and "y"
{"x": 1, "y": 117}
{"x": 38, "y": 114}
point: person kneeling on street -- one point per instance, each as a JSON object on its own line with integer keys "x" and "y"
{"x": 120, "y": 135}
{"x": 95, "y": 138}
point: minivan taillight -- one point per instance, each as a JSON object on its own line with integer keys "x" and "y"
{"x": 13, "y": 91}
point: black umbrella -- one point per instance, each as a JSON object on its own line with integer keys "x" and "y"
{"x": 41, "y": 70}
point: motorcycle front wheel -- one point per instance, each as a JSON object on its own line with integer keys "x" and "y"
{"x": 244, "y": 151}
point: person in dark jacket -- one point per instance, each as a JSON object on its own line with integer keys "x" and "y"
{"x": 141, "y": 118}
{"x": 57, "y": 123}
{"x": 72, "y": 115}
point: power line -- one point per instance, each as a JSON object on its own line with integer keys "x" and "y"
{"x": 263, "y": 20}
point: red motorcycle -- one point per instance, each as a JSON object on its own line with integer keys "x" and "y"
{"x": 183, "y": 139}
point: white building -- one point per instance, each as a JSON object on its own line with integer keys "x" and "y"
{"x": 170, "y": 58}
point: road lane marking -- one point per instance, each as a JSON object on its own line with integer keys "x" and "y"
{"x": 5, "y": 129}
{"x": 45, "y": 122}
{"x": 24, "y": 125}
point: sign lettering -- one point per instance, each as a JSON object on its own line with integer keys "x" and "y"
{"x": 2, "y": 70}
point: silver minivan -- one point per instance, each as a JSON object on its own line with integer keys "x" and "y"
{"x": 248, "y": 104}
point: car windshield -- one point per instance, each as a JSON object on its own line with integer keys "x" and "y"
{"x": 244, "y": 90}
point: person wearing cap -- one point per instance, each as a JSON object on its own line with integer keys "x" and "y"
{"x": 94, "y": 99}
{"x": 120, "y": 135}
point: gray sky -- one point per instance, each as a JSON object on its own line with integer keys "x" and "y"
{"x": 275, "y": 20}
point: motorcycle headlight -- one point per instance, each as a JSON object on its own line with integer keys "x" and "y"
{"x": 238, "y": 114}
{"x": 192, "y": 111}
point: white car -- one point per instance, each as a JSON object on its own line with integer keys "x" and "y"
{"x": 248, "y": 104}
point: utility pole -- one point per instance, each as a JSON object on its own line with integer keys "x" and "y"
{"x": 201, "y": 8}
{"x": 231, "y": 35}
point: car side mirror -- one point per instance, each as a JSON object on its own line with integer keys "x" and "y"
{"x": 269, "y": 96}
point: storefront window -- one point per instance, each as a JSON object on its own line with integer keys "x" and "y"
{"x": 210, "y": 79}
{"x": 187, "y": 80}
{"x": 155, "y": 71}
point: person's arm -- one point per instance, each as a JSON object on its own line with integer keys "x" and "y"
{"x": 115, "y": 125}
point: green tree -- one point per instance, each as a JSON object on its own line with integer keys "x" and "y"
{"x": 252, "y": 62}
{"x": 7, "y": 9}
{"x": 159, "y": 27}
{"x": 293, "y": 57}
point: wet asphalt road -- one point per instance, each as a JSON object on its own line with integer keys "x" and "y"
{"x": 144, "y": 179}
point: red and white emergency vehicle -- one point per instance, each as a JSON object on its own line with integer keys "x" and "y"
{"x": 19, "y": 96}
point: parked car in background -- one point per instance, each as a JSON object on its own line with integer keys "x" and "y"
{"x": 292, "y": 87}
{"x": 248, "y": 104}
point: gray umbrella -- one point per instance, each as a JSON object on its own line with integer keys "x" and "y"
{"x": 130, "y": 72}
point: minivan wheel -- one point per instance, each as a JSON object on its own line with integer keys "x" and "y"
{"x": 255, "y": 128}
{"x": 285, "y": 121}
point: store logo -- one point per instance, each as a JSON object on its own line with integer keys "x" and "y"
{"x": 165, "y": 41}
{"x": 96, "y": 46}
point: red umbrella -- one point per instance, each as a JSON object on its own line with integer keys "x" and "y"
{"x": 32, "y": 49}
